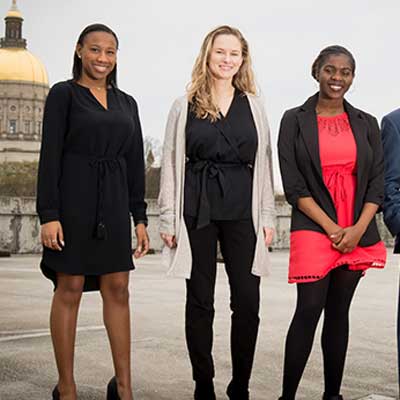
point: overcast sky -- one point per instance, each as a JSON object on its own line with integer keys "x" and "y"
{"x": 159, "y": 41}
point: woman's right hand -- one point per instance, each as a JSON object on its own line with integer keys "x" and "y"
{"x": 169, "y": 240}
{"x": 335, "y": 233}
{"x": 52, "y": 235}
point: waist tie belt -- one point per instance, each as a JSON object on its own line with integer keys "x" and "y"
{"x": 335, "y": 182}
{"x": 101, "y": 165}
{"x": 209, "y": 170}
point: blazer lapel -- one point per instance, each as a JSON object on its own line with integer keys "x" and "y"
{"x": 309, "y": 130}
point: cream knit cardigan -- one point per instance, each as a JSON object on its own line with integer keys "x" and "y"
{"x": 178, "y": 260}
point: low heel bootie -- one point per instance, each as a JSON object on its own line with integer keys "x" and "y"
{"x": 204, "y": 391}
{"x": 112, "y": 391}
{"x": 55, "y": 394}
{"x": 327, "y": 397}
{"x": 235, "y": 392}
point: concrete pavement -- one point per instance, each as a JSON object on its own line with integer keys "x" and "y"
{"x": 161, "y": 369}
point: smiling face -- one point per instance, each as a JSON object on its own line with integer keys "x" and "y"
{"x": 335, "y": 76}
{"x": 225, "y": 57}
{"x": 98, "y": 54}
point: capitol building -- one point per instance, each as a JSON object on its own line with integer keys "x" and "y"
{"x": 23, "y": 90}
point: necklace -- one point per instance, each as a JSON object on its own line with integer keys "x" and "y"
{"x": 98, "y": 88}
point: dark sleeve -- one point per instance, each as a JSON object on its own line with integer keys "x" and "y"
{"x": 55, "y": 125}
{"x": 375, "y": 187}
{"x": 294, "y": 184}
{"x": 136, "y": 171}
{"x": 391, "y": 149}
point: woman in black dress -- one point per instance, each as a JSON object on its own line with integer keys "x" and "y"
{"x": 91, "y": 177}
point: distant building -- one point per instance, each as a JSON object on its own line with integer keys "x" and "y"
{"x": 23, "y": 90}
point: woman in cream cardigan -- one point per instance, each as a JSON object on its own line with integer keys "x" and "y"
{"x": 216, "y": 185}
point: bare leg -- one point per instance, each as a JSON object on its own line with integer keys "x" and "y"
{"x": 115, "y": 293}
{"x": 63, "y": 319}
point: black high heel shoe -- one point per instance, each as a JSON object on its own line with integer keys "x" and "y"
{"x": 112, "y": 391}
{"x": 55, "y": 394}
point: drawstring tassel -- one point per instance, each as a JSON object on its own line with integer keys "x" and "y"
{"x": 101, "y": 231}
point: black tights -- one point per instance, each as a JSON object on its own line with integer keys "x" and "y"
{"x": 332, "y": 294}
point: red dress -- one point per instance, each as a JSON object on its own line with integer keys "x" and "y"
{"x": 311, "y": 253}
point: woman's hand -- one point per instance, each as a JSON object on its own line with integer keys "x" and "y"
{"x": 350, "y": 239}
{"x": 169, "y": 240}
{"x": 142, "y": 241}
{"x": 52, "y": 235}
{"x": 335, "y": 233}
{"x": 268, "y": 236}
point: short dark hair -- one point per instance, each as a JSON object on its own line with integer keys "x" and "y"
{"x": 331, "y": 51}
{"x": 77, "y": 66}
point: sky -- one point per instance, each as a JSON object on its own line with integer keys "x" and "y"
{"x": 159, "y": 41}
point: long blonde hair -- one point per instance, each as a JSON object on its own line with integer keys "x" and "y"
{"x": 199, "y": 89}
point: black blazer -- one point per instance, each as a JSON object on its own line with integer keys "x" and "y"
{"x": 301, "y": 166}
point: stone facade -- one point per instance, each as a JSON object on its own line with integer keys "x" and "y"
{"x": 20, "y": 228}
{"x": 21, "y": 113}
{"x": 21, "y": 116}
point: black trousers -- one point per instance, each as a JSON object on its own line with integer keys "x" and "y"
{"x": 237, "y": 241}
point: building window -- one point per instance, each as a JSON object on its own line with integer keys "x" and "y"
{"x": 38, "y": 127}
{"x": 13, "y": 108}
{"x": 27, "y": 126}
{"x": 12, "y": 126}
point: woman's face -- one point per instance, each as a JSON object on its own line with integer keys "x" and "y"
{"x": 225, "y": 57}
{"x": 335, "y": 76}
{"x": 98, "y": 54}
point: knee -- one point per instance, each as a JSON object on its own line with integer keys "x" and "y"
{"x": 69, "y": 291}
{"x": 309, "y": 312}
{"x": 116, "y": 292}
{"x": 245, "y": 300}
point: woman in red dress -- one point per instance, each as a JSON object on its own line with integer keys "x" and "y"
{"x": 331, "y": 164}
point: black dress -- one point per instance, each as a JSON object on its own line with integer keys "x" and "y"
{"x": 91, "y": 177}
{"x": 220, "y": 157}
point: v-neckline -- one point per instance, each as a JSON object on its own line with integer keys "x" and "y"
{"x": 230, "y": 106}
{"x": 95, "y": 98}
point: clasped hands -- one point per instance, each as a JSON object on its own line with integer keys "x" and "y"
{"x": 345, "y": 240}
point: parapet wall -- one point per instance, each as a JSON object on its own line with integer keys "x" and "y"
{"x": 20, "y": 228}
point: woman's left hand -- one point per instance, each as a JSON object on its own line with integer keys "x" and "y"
{"x": 350, "y": 239}
{"x": 268, "y": 236}
{"x": 142, "y": 239}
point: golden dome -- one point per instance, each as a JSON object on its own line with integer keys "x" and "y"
{"x": 18, "y": 64}
{"x": 14, "y": 12}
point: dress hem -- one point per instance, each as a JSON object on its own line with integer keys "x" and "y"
{"x": 354, "y": 265}
{"x": 91, "y": 280}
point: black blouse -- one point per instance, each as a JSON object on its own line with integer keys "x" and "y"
{"x": 219, "y": 160}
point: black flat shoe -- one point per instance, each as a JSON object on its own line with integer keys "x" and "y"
{"x": 327, "y": 397}
{"x": 112, "y": 391}
{"x": 237, "y": 393}
{"x": 204, "y": 391}
{"x": 55, "y": 394}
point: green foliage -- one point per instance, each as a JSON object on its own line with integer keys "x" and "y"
{"x": 18, "y": 178}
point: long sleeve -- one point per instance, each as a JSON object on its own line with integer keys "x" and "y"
{"x": 375, "y": 188}
{"x": 294, "y": 184}
{"x": 391, "y": 147}
{"x": 268, "y": 212}
{"x": 55, "y": 126}
{"x": 136, "y": 172}
{"x": 167, "y": 196}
